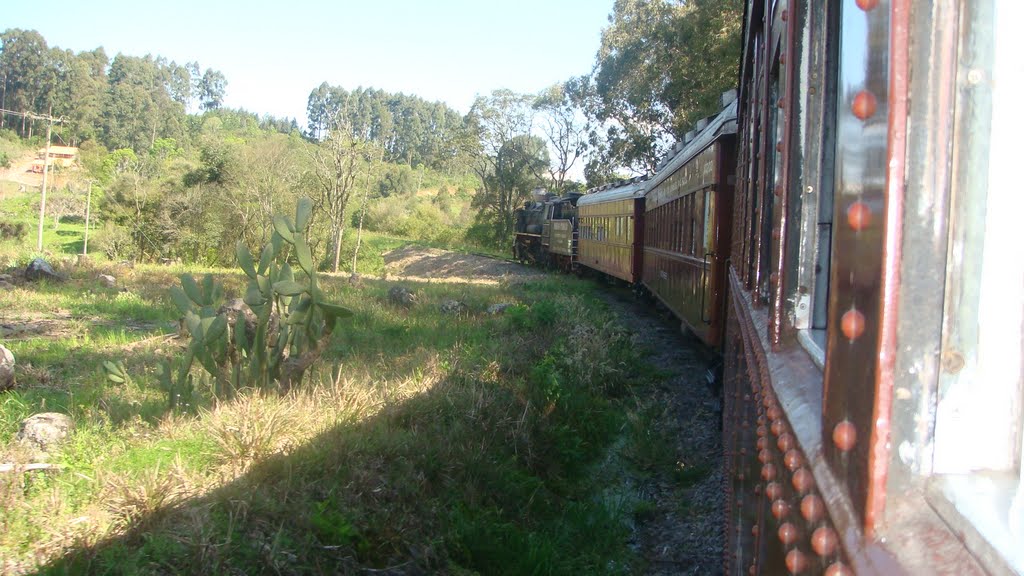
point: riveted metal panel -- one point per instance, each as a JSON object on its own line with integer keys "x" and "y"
{"x": 859, "y": 218}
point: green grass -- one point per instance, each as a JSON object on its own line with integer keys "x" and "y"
{"x": 458, "y": 444}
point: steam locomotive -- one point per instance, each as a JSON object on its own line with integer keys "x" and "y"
{"x": 843, "y": 231}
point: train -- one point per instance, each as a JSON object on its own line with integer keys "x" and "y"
{"x": 843, "y": 233}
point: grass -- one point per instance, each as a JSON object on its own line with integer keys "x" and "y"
{"x": 451, "y": 443}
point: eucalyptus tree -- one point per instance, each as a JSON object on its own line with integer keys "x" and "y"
{"x": 507, "y": 159}
{"x": 211, "y": 88}
{"x": 661, "y": 66}
{"x": 565, "y": 127}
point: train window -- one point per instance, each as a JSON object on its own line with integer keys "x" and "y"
{"x": 813, "y": 208}
{"x": 978, "y": 426}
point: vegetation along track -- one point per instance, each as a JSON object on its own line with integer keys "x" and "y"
{"x": 572, "y": 434}
{"x": 671, "y": 470}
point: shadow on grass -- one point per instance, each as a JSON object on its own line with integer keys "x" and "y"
{"x": 456, "y": 478}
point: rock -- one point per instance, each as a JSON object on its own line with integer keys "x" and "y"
{"x": 6, "y": 278}
{"x": 40, "y": 269}
{"x": 495, "y": 309}
{"x": 6, "y": 369}
{"x": 235, "y": 308}
{"x": 401, "y": 296}
{"x": 107, "y": 280}
{"x": 355, "y": 280}
{"x": 45, "y": 431}
{"x": 452, "y": 307}
{"x": 6, "y": 285}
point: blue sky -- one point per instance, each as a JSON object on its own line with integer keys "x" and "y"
{"x": 274, "y": 53}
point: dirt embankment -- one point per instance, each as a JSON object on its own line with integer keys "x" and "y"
{"x": 19, "y": 172}
{"x": 419, "y": 263}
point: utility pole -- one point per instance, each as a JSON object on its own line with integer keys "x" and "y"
{"x": 46, "y": 166}
{"x": 88, "y": 205}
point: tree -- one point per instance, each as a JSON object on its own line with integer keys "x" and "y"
{"x": 507, "y": 160}
{"x": 211, "y": 89}
{"x": 662, "y": 66}
{"x": 335, "y": 168}
{"x": 565, "y": 127}
{"x": 24, "y": 67}
{"x": 515, "y": 171}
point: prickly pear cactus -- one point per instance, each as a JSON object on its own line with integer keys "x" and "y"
{"x": 293, "y": 319}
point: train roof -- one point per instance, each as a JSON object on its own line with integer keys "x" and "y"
{"x": 695, "y": 143}
{"x": 624, "y": 189}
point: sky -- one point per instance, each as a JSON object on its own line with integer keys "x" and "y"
{"x": 274, "y": 53}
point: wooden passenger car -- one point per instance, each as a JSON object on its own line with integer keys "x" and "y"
{"x": 873, "y": 379}
{"x": 611, "y": 229}
{"x": 688, "y": 213}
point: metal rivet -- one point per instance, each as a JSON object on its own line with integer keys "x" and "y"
{"x": 774, "y": 413}
{"x": 782, "y": 57}
{"x": 812, "y": 508}
{"x": 866, "y": 5}
{"x": 768, "y": 471}
{"x": 755, "y": 530}
{"x": 792, "y": 459}
{"x": 784, "y": 15}
{"x": 824, "y": 541}
{"x": 844, "y": 435}
{"x": 773, "y": 491}
{"x": 762, "y": 443}
{"x": 785, "y": 442}
{"x": 852, "y": 324}
{"x": 764, "y": 456}
{"x": 762, "y": 431}
{"x": 864, "y": 105}
{"x": 780, "y": 508}
{"x": 778, "y": 146}
{"x": 778, "y": 427}
{"x": 788, "y": 533}
{"x": 796, "y": 561}
{"x": 838, "y": 569}
{"x": 803, "y": 480}
{"x": 858, "y": 216}
{"x": 782, "y": 102}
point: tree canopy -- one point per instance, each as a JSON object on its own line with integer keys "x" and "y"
{"x": 661, "y": 67}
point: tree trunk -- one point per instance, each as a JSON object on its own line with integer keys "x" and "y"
{"x": 362, "y": 213}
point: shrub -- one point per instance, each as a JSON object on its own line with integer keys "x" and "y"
{"x": 12, "y": 230}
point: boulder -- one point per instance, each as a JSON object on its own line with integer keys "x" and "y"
{"x": 401, "y": 296}
{"x": 107, "y": 280}
{"x": 452, "y": 307}
{"x": 495, "y": 309}
{"x": 46, "y": 430}
{"x": 6, "y": 369}
{"x": 39, "y": 269}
